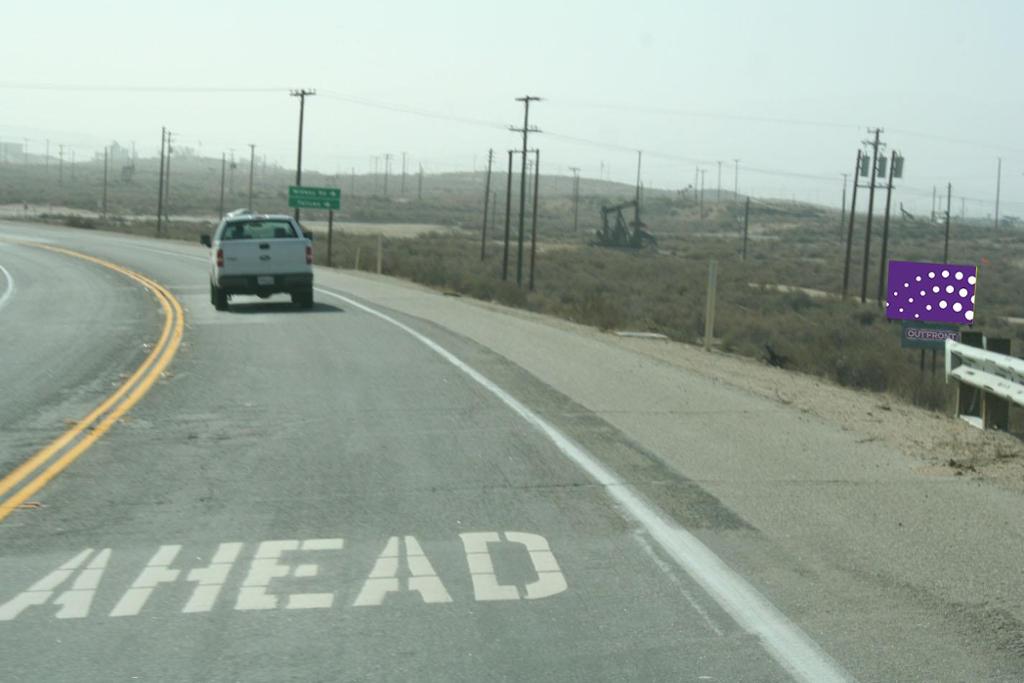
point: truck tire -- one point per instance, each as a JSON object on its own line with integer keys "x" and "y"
{"x": 303, "y": 298}
{"x": 219, "y": 298}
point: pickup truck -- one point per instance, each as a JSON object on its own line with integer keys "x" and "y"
{"x": 260, "y": 254}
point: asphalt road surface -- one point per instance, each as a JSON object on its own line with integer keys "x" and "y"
{"x": 360, "y": 492}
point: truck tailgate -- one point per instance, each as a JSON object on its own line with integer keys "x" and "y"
{"x": 264, "y": 257}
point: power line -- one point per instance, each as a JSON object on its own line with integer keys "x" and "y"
{"x": 134, "y": 88}
{"x": 405, "y": 109}
{"x": 708, "y": 114}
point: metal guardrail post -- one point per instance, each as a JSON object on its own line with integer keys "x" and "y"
{"x": 989, "y": 379}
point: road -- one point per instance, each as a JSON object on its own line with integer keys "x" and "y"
{"x": 365, "y": 491}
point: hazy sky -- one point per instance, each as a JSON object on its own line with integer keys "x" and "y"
{"x": 786, "y": 87}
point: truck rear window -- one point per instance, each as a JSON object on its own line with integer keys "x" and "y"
{"x": 257, "y": 230}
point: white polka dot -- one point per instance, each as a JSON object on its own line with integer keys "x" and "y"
{"x": 969, "y": 315}
{"x": 949, "y": 289}
{"x": 917, "y": 315}
{"x": 928, "y": 307}
{"x": 923, "y": 292}
{"x": 901, "y": 310}
{"x": 935, "y": 289}
{"x": 959, "y": 275}
{"x": 917, "y": 279}
{"x": 971, "y": 280}
{"x": 932, "y": 275}
{"x": 945, "y": 273}
{"x": 958, "y": 307}
{"x": 895, "y": 293}
{"x": 942, "y": 304}
{"x": 972, "y": 298}
{"x": 906, "y": 284}
{"x": 963, "y": 292}
{"x": 910, "y": 300}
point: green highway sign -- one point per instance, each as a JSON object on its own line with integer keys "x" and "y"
{"x": 302, "y": 197}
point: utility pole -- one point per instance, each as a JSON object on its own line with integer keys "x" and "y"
{"x": 160, "y": 190}
{"x": 575, "y": 197}
{"x": 949, "y": 198}
{"x": 702, "y": 172}
{"x": 402, "y": 191}
{"x": 508, "y": 217}
{"x": 999, "y": 186}
{"x": 536, "y": 197}
{"x": 636, "y": 209}
{"x": 842, "y": 211}
{"x": 419, "y": 184}
{"x": 718, "y": 196}
{"x": 302, "y": 94}
{"x": 525, "y": 130}
{"x": 487, "y": 200}
{"x": 963, "y": 208}
{"x": 736, "y": 180}
{"x": 223, "y": 173}
{"x": 696, "y": 182}
{"x": 746, "y": 226}
{"x": 882, "y": 270}
{"x": 871, "y": 206}
{"x": 849, "y": 230}
{"x": 252, "y": 169}
{"x": 60, "y": 168}
{"x": 105, "y": 150}
{"x": 933, "y": 203}
{"x": 167, "y": 179}
{"x": 387, "y": 169}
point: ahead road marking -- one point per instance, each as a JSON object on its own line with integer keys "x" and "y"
{"x": 257, "y": 591}
{"x": 66, "y": 448}
{"x": 384, "y": 577}
{"x": 5, "y": 297}
{"x": 785, "y": 641}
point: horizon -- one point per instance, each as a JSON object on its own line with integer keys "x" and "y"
{"x": 787, "y": 102}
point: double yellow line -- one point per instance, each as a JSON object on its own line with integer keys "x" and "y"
{"x": 33, "y": 474}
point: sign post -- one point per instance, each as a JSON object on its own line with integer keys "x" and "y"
{"x": 330, "y": 235}
{"x": 300, "y": 197}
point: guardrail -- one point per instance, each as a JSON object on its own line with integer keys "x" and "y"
{"x": 987, "y": 383}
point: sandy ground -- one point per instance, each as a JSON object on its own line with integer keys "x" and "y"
{"x": 944, "y": 446}
{"x": 391, "y": 230}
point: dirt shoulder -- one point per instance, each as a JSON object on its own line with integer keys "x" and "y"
{"x": 944, "y": 446}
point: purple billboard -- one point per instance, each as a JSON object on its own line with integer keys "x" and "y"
{"x": 931, "y": 292}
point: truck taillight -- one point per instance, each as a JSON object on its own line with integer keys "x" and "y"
{"x": 220, "y": 258}
{"x": 309, "y": 255}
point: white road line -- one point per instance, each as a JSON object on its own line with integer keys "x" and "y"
{"x": 6, "y": 296}
{"x": 784, "y": 641}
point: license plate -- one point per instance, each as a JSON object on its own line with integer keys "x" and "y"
{"x": 264, "y": 279}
